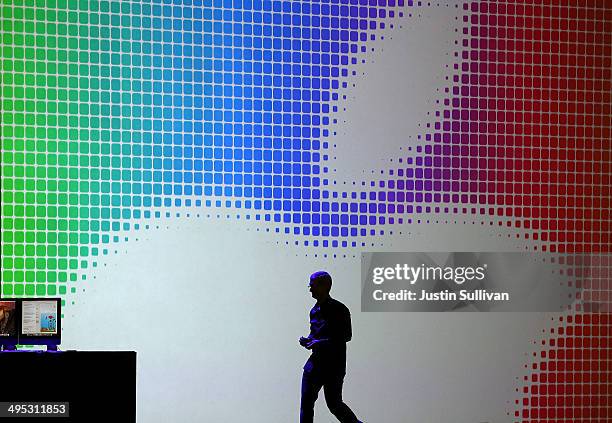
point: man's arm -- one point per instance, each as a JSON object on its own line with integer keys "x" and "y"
{"x": 347, "y": 330}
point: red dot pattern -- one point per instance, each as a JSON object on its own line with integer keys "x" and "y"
{"x": 532, "y": 103}
{"x": 534, "y": 90}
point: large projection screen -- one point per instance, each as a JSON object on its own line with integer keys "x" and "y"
{"x": 175, "y": 171}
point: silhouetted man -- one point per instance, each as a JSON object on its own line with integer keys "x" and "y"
{"x": 330, "y": 330}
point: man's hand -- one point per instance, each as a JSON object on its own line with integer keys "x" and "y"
{"x": 311, "y": 344}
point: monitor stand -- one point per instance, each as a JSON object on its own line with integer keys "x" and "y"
{"x": 51, "y": 347}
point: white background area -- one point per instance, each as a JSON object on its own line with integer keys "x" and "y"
{"x": 394, "y": 93}
{"x": 215, "y": 310}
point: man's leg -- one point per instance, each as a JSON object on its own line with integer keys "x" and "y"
{"x": 333, "y": 398}
{"x": 311, "y": 385}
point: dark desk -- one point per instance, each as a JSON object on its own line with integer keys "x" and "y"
{"x": 98, "y": 385}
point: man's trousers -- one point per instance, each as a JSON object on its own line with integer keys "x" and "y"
{"x": 331, "y": 382}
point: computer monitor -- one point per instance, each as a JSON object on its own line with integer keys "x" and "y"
{"x": 41, "y": 322}
{"x": 9, "y": 324}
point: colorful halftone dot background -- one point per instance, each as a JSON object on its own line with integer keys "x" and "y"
{"x": 537, "y": 92}
{"x": 114, "y": 112}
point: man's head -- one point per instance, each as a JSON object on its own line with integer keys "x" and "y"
{"x": 320, "y": 285}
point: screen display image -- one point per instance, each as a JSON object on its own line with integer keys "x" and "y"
{"x": 8, "y": 327}
{"x": 39, "y": 318}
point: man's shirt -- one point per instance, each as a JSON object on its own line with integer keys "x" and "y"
{"x": 330, "y": 323}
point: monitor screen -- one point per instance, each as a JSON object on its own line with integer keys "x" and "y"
{"x": 8, "y": 320}
{"x": 40, "y": 318}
